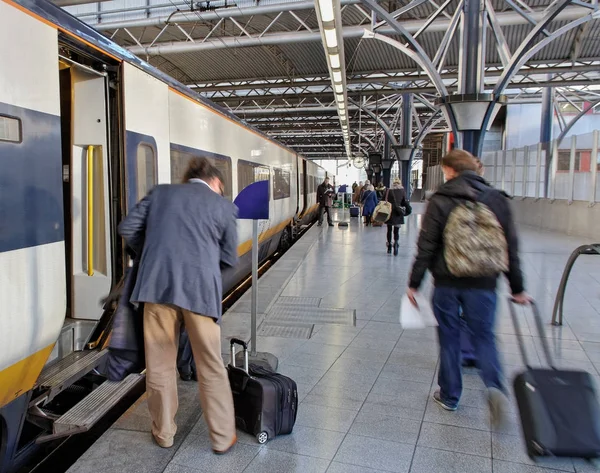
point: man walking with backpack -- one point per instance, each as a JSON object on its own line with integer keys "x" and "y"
{"x": 467, "y": 240}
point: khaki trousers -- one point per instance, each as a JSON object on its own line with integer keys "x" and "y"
{"x": 161, "y": 338}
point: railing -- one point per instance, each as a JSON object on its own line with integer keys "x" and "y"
{"x": 573, "y": 175}
{"x": 557, "y": 312}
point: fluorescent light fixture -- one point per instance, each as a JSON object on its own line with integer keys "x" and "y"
{"x": 326, "y": 9}
{"x": 337, "y": 77}
{"x": 334, "y": 59}
{"x": 331, "y": 38}
{"x": 339, "y": 88}
{"x": 339, "y": 97}
{"x": 341, "y": 106}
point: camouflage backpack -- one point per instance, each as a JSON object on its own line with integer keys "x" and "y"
{"x": 474, "y": 242}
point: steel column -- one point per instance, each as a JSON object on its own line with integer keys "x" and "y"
{"x": 469, "y": 73}
{"x": 406, "y": 138}
{"x": 387, "y": 157}
{"x": 546, "y": 130}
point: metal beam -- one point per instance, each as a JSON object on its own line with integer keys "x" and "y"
{"x": 71, "y": 3}
{"x": 409, "y": 26}
{"x": 180, "y": 17}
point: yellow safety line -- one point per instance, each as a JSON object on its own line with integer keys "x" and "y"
{"x": 90, "y": 209}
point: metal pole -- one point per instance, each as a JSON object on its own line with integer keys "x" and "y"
{"x": 538, "y": 171}
{"x": 546, "y": 131}
{"x": 254, "y": 307}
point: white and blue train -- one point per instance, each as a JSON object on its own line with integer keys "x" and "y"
{"x": 86, "y": 129}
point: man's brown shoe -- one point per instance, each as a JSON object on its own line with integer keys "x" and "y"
{"x": 223, "y": 452}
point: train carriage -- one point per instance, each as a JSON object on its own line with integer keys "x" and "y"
{"x": 86, "y": 130}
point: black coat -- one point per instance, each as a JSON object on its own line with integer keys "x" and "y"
{"x": 396, "y": 197}
{"x": 430, "y": 246}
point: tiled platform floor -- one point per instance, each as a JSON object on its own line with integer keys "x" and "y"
{"x": 365, "y": 390}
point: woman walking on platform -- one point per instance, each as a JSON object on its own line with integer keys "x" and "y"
{"x": 396, "y": 196}
{"x": 369, "y": 202}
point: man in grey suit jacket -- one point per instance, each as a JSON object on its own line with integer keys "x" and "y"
{"x": 186, "y": 233}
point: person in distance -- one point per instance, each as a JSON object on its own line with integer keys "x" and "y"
{"x": 396, "y": 196}
{"x": 189, "y": 233}
{"x": 369, "y": 202}
{"x": 467, "y": 240}
{"x": 325, "y": 199}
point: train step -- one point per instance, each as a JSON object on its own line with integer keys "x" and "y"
{"x": 84, "y": 415}
{"x": 62, "y": 374}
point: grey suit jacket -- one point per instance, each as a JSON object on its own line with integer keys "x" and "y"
{"x": 186, "y": 233}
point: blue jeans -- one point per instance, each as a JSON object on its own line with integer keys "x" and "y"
{"x": 466, "y": 341}
{"x": 479, "y": 309}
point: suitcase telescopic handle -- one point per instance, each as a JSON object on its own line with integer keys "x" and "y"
{"x": 539, "y": 327}
{"x": 232, "y": 343}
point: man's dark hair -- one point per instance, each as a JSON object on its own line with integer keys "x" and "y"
{"x": 201, "y": 168}
{"x": 460, "y": 160}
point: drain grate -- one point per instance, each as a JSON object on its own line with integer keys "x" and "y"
{"x": 306, "y": 301}
{"x": 311, "y": 315}
{"x": 268, "y": 329}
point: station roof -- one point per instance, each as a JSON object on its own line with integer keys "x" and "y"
{"x": 264, "y": 60}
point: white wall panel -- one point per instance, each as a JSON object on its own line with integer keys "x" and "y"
{"x": 33, "y": 295}
{"x": 147, "y": 112}
{"x": 29, "y": 62}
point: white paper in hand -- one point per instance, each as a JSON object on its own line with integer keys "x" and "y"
{"x": 412, "y": 317}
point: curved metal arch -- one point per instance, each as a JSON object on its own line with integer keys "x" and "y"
{"x": 382, "y": 124}
{"x": 526, "y": 51}
{"x": 421, "y": 59}
{"x": 434, "y": 119}
{"x": 364, "y": 137}
{"x": 575, "y": 120}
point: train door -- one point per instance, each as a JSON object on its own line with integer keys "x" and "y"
{"x": 86, "y": 168}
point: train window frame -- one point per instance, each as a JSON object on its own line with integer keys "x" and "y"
{"x": 19, "y": 128}
{"x": 287, "y": 192}
{"x": 154, "y": 167}
{"x": 199, "y": 153}
{"x": 253, "y": 164}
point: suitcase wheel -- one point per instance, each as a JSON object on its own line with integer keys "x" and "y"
{"x": 262, "y": 437}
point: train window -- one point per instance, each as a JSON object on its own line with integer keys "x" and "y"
{"x": 10, "y": 129}
{"x": 249, "y": 172}
{"x": 281, "y": 184}
{"x": 301, "y": 179}
{"x": 180, "y": 159}
{"x": 146, "y": 169}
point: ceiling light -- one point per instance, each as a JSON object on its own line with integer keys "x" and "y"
{"x": 334, "y": 59}
{"x": 331, "y": 38}
{"x": 337, "y": 77}
{"x": 339, "y": 97}
{"x": 326, "y": 9}
{"x": 339, "y": 89}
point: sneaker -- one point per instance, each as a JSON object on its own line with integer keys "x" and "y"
{"x": 498, "y": 407}
{"x": 437, "y": 397}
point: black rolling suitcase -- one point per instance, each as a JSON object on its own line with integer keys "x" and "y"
{"x": 354, "y": 211}
{"x": 266, "y": 403}
{"x": 559, "y": 410}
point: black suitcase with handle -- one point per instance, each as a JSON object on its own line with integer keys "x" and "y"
{"x": 266, "y": 403}
{"x": 559, "y": 410}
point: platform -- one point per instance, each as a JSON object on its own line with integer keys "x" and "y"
{"x": 364, "y": 384}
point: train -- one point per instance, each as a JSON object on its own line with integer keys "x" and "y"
{"x": 86, "y": 130}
